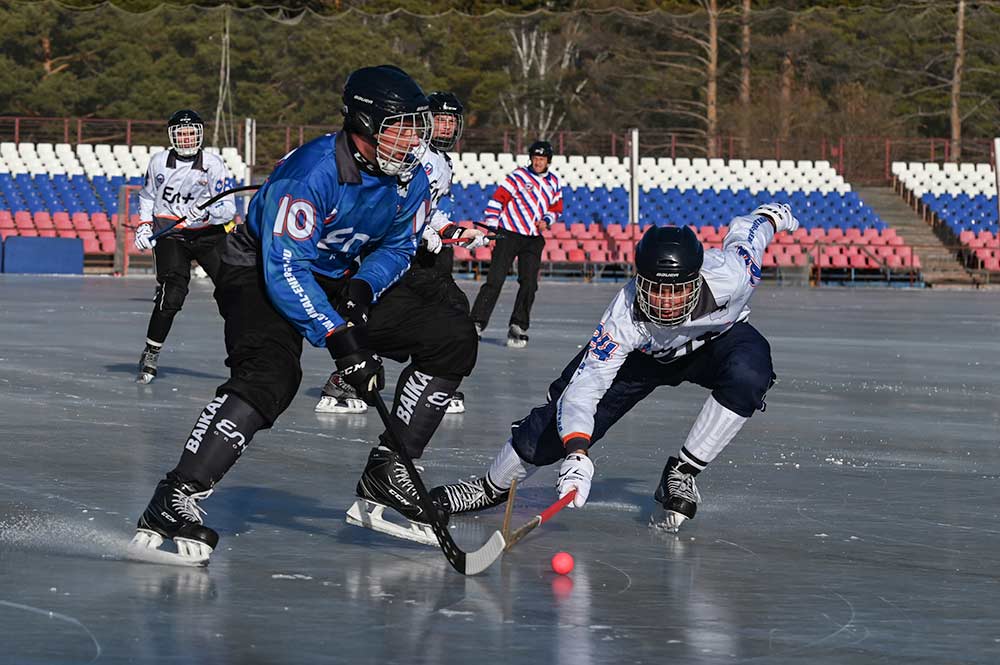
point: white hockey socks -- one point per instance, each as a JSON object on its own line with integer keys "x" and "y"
{"x": 715, "y": 427}
{"x": 507, "y": 467}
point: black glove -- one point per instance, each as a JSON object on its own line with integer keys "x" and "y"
{"x": 357, "y": 364}
{"x": 357, "y": 300}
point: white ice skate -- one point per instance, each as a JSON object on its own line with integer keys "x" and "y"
{"x": 371, "y": 515}
{"x": 148, "y": 362}
{"x": 677, "y": 495}
{"x": 331, "y": 404}
{"x": 516, "y": 337}
{"x": 456, "y": 404}
{"x": 145, "y": 547}
{"x": 340, "y": 397}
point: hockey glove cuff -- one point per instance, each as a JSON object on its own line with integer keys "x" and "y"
{"x": 357, "y": 300}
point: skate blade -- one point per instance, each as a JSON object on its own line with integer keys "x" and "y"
{"x": 516, "y": 344}
{"x": 369, "y": 515}
{"x": 455, "y": 407}
{"x": 144, "y": 378}
{"x": 667, "y": 520}
{"x": 145, "y": 548}
{"x": 333, "y": 405}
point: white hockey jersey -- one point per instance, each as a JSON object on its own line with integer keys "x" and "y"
{"x": 729, "y": 276}
{"x": 437, "y": 166}
{"x": 173, "y": 185}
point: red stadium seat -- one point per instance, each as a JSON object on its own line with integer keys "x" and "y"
{"x": 61, "y": 220}
{"x": 43, "y": 220}
{"x": 47, "y": 233}
{"x": 483, "y": 254}
{"x": 100, "y": 221}
{"x": 66, "y": 233}
{"x": 462, "y": 254}
{"x": 5, "y": 233}
{"x": 91, "y": 246}
{"x": 576, "y": 256}
{"x": 22, "y": 220}
{"x": 599, "y": 256}
{"x": 557, "y": 256}
{"x": 559, "y": 230}
{"x": 6, "y": 220}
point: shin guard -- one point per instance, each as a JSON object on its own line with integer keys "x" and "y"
{"x": 419, "y": 406}
{"x": 221, "y": 434}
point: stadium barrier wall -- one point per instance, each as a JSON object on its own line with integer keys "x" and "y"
{"x": 42, "y": 256}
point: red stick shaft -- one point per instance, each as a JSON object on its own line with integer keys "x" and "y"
{"x": 556, "y": 507}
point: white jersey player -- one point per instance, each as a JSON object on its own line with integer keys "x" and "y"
{"x": 430, "y": 271}
{"x": 179, "y": 181}
{"x": 682, "y": 318}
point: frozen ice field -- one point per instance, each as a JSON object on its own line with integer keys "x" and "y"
{"x": 856, "y": 521}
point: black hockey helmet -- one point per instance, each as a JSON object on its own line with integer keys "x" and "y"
{"x": 541, "y": 149}
{"x": 186, "y": 132}
{"x": 383, "y": 97}
{"x": 668, "y": 262}
{"x": 446, "y": 104}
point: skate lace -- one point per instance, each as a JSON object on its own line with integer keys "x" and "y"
{"x": 149, "y": 357}
{"x": 682, "y": 485}
{"x": 187, "y": 504}
{"x": 465, "y": 495}
{"x": 347, "y": 391}
{"x": 403, "y": 479}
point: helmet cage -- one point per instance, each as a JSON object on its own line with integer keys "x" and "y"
{"x": 186, "y": 138}
{"x": 647, "y": 291}
{"x": 401, "y": 141}
{"x": 446, "y": 143}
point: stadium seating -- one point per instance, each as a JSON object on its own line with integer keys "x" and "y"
{"x": 59, "y": 190}
{"x": 705, "y": 194}
{"x": 962, "y": 200}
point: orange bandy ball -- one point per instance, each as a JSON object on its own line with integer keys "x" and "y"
{"x": 562, "y": 562}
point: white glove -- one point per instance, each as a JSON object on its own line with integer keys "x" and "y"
{"x": 193, "y": 213}
{"x": 143, "y": 236}
{"x": 576, "y": 473}
{"x": 780, "y": 214}
{"x": 476, "y": 238}
{"x": 433, "y": 240}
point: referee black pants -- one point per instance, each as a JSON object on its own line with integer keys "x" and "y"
{"x": 528, "y": 252}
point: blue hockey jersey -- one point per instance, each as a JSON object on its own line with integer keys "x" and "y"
{"x": 316, "y": 213}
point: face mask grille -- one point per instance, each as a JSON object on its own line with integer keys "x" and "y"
{"x": 447, "y": 130}
{"x": 186, "y": 139}
{"x": 667, "y": 304}
{"x": 401, "y": 141}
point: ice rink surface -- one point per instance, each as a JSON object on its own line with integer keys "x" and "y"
{"x": 855, "y": 521}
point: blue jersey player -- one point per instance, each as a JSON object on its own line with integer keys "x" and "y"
{"x": 333, "y": 227}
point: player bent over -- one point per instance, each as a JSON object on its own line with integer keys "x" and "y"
{"x": 429, "y": 278}
{"x": 285, "y": 275}
{"x": 684, "y": 317}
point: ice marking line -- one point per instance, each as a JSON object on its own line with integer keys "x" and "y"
{"x": 897, "y": 541}
{"x": 628, "y": 580}
{"x": 739, "y": 547}
{"x": 62, "y": 617}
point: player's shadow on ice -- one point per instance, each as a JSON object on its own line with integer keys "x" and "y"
{"x": 133, "y": 368}
{"x": 240, "y": 508}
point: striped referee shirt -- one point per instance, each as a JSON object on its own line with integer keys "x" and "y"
{"x": 523, "y": 199}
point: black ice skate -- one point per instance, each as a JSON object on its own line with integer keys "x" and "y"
{"x": 147, "y": 365}
{"x": 678, "y": 494}
{"x": 517, "y": 338}
{"x": 456, "y": 404}
{"x": 468, "y": 496}
{"x": 174, "y": 514}
{"x": 386, "y": 483}
{"x": 340, "y": 397}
